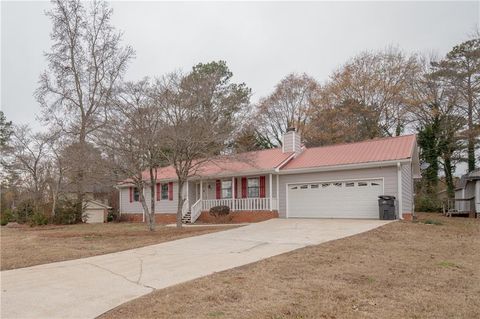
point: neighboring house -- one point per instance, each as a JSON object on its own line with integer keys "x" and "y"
{"x": 467, "y": 194}
{"x": 95, "y": 212}
{"x": 338, "y": 181}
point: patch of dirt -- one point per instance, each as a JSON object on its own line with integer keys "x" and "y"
{"x": 29, "y": 246}
{"x": 400, "y": 270}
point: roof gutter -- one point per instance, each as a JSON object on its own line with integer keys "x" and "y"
{"x": 285, "y": 161}
{"x": 343, "y": 167}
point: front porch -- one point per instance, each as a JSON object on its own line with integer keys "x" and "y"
{"x": 239, "y": 193}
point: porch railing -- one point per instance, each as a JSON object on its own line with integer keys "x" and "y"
{"x": 195, "y": 211}
{"x": 459, "y": 206}
{"x": 241, "y": 203}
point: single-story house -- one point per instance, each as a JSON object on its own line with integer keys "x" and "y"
{"x": 95, "y": 211}
{"x": 337, "y": 181}
{"x": 467, "y": 194}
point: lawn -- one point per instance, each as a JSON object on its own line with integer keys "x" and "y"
{"x": 27, "y": 246}
{"x": 424, "y": 269}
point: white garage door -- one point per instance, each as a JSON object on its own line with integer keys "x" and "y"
{"x": 343, "y": 199}
{"x": 94, "y": 216}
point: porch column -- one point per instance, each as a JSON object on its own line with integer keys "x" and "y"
{"x": 278, "y": 193}
{"x": 270, "y": 190}
{"x": 201, "y": 194}
{"x": 188, "y": 197}
{"x": 233, "y": 193}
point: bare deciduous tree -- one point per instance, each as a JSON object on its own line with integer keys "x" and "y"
{"x": 378, "y": 82}
{"x": 202, "y": 112}
{"x": 85, "y": 62}
{"x": 29, "y": 152}
{"x": 133, "y": 137}
{"x": 288, "y": 106}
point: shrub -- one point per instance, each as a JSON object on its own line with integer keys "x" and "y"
{"x": 221, "y": 214}
{"x": 6, "y": 217}
{"x": 112, "y": 216}
{"x": 24, "y": 211}
{"x": 38, "y": 219}
{"x": 219, "y": 211}
{"x": 68, "y": 212}
{"x": 425, "y": 203}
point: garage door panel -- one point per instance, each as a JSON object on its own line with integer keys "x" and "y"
{"x": 343, "y": 199}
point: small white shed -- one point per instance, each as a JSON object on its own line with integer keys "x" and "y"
{"x": 96, "y": 212}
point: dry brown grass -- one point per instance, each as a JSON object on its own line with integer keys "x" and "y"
{"x": 401, "y": 270}
{"x": 27, "y": 246}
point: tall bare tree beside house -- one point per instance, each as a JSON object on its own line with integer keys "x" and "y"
{"x": 434, "y": 110}
{"x": 57, "y": 169}
{"x": 133, "y": 138}
{"x": 289, "y": 105}
{"x": 203, "y": 111}
{"x": 86, "y": 61}
{"x": 29, "y": 152}
{"x": 462, "y": 67}
{"x": 377, "y": 82}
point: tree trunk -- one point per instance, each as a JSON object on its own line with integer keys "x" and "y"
{"x": 144, "y": 203}
{"x": 153, "y": 182}
{"x": 448, "y": 170}
{"x": 82, "y": 144}
{"x": 180, "y": 198}
{"x": 471, "y": 138}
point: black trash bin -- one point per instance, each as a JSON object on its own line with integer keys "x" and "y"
{"x": 386, "y": 207}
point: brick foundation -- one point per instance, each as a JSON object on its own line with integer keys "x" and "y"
{"x": 205, "y": 217}
{"x": 159, "y": 218}
{"x": 408, "y": 216}
{"x": 240, "y": 216}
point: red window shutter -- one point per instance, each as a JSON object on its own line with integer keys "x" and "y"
{"x": 218, "y": 185}
{"x": 170, "y": 191}
{"x": 262, "y": 186}
{"x": 158, "y": 191}
{"x": 236, "y": 187}
{"x": 131, "y": 194}
{"x": 244, "y": 187}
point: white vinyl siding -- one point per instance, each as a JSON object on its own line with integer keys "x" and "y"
{"x": 162, "y": 206}
{"x": 407, "y": 188}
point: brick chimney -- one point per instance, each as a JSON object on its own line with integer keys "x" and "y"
{"x": 291, "y": 141}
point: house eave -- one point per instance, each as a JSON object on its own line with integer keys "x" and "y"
{"x": 344, "y": 167}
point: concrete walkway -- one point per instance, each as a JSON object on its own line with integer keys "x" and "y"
{"x": 87, "y": 287}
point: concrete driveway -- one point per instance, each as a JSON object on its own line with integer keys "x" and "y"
{"x": 87, "y": 287}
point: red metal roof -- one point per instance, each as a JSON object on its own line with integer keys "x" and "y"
{"x": 227, "y": 165}
{"x": 376, "y": 150}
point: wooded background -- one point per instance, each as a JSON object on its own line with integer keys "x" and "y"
{"x": 102, "y": 129}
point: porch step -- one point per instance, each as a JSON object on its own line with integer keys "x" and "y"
{"x": 186, "y": 218}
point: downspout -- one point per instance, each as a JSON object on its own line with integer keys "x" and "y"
{"x": 143, "y": 191}
{"x": 399, "y": 186}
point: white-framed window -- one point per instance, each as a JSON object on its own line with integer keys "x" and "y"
{"x": 136, "y": 194}
{"x": 227, "y": 189}
{"x": 253, "y": 187}
{"x": 164, "y": 191}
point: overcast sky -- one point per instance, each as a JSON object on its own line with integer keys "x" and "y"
{"x": 261, "y": 42}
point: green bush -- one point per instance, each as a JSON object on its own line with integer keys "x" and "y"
{"x": 24, "y": 211}
{"x": 68, "y": 212}
{"x": 6, "y": 217}
{"x": 425, "y": 203}
{"x": 38, "y": 219}
{"x": 112, "y": 216}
